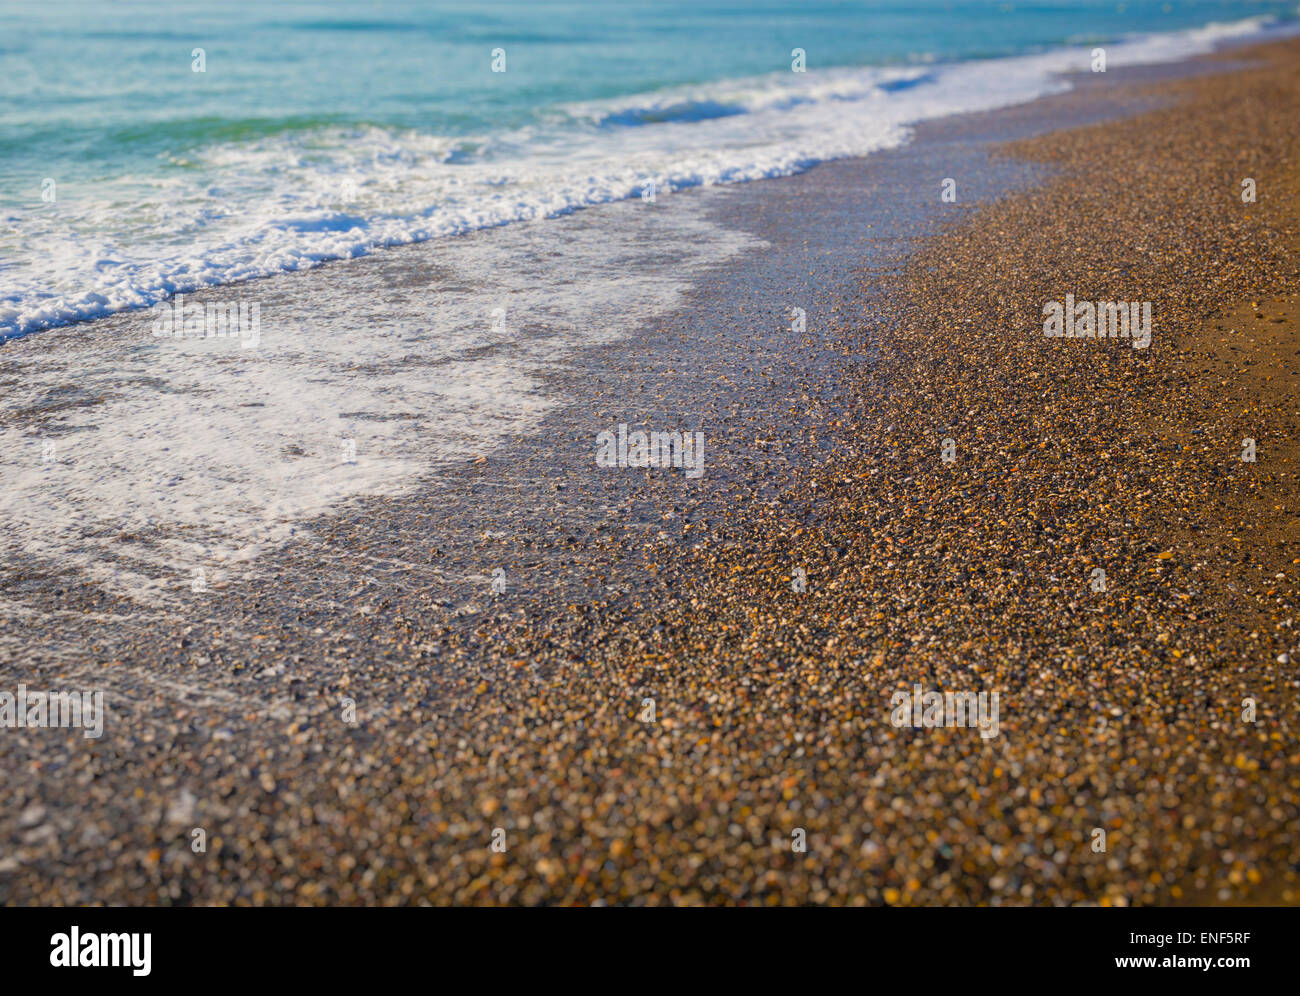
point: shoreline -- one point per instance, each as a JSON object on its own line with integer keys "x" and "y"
{"x": 462, "y": 709}
{"x": 1165, "y": 63}
{"x": 723, "y": 213}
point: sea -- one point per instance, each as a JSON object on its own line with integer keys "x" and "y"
{"x": 151, "y": 148}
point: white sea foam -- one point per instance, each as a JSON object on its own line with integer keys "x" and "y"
{"x": 172, "y": 455}
{"x": 248, "y": 209}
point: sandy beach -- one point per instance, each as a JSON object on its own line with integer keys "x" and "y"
{"x": 663, "y": 689}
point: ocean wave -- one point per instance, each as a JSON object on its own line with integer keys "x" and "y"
{"x": 263, "y": 199}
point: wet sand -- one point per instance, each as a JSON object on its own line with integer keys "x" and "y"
{"x": 523, "y": 710}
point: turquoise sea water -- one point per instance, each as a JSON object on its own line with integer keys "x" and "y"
{"x": 324, "y": 130}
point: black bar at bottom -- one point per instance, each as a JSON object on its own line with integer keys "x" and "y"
{"x": 218, "y": 947}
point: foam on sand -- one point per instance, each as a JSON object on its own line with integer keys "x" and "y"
{"x": 177, "y": 454}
